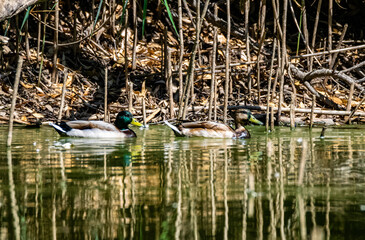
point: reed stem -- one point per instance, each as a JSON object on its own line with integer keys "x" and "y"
{"x": 62, "y": 97}
{"x": 228, "y": 58}
{"x": 13, "y": 101}
{"x": 106, "y": 94}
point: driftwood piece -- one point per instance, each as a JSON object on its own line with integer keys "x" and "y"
{"x": 15, "y": 120}
{"x": 9, "y": 8}
{"x": 307, "y": 77}
{"x": 329, "y": 52}
{"x": 298, "y": 110}
{"x": 322, "y": 99}
{"x": 324, "y": 73}
{"x": 264, "y": 108}
{"x": 354, "y": 67}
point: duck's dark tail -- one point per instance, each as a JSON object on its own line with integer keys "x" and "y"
{"x": 61, "y": 128}
{"x": 175, "y": 129}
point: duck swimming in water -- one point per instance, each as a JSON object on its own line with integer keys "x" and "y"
{"x": 214, "y": 129}
{"x": 99, "y": 129}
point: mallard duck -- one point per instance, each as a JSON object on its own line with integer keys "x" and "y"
{"x": 214, "y": 129}
{"x": 99, "y": 129}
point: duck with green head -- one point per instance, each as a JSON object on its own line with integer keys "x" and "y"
{"x": 99, "y": 129}
{"x": 214, "y": 129}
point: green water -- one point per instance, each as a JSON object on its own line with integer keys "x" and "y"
{"x": 285, "y": 185}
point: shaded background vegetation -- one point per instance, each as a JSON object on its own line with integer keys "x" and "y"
{"x": 92, "y": 36}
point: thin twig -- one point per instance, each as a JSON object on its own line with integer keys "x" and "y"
{"x": 62, "y": 97}
{"x": 13, "y": 101}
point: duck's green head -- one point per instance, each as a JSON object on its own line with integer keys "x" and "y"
{"x": 245, "y": 115}
{"x": 124, "y": 118}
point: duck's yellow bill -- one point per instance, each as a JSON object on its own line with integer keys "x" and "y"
{"x": 255, "y": 120}
{"x": 135, "y": 123}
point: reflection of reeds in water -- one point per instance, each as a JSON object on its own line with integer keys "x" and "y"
{"x": 267, "y": 187}
{"x": 270, "y": 158}
{"x": 178, "y": 222}
{"x": 212, "y": 160}
{"x": 13, "y": 202}
{"x": 281, "y": 194}
{"x": 225, "y": 197}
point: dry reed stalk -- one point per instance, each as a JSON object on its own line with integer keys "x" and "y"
{"x": 301, "y": 35}
{"x": 169, "y": 83}
{"x": 228, "y": 59}
{"x": 330, "y": 15}
{"x": 181, "y": 52}
{"x": 62, "y": 97}
{"x": 27, "y": 40}
{"x": 43, "y": 43}
{"x": 276, "y": 18}
{"x": 272, "y": 119}
{"x": 13, "y": 101}
{"x": 351, "y": 93}
{"x": 106, "y": 94}
{"x": 312, "y": 112}
{"x": 126, "y": 50}
{"x": 330, "y": 52}
{"x": 135, "y": 39}
{"x": 211, "y": 96}
{"x": 190, "y": 74}
{"x": 275, "y": 83}
{"x": 198, "y": 20}
{"x": 104, "y": 13}
{"x": 39, "y": 33}
{"x": 261, "y": 21}
{"x": 213, "y": 83}
{"x": 315, "y": 32}
{"x": 144, "y": 110}
{"x": 55, "y": 43}
{"x": 248, "y": 54}
{"x": 292, "y": 111}
{"x": 262, "y": 40}
{"x": 17, "y": 36}
{"x": 130, "y": 97}
{"x": 283, "y": 58}
{"x": 189, "y": 13}
{"x": 92, "y": 10}
{"x": 269, "y": 86}
{"x": 113, "y": 16}
{"x": 353, "y": 68}
{"x": 353, "y": 111}
{"x": 332, "y": 65}
{"x": 305, "y": 30}
{"x": 165, "y": 45}
{"x": 214, "y": 78}
{"x": 279, "y": 34}
{"x": 74, "y": 33}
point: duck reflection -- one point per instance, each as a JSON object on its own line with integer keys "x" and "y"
{"x": 120, "y": 158}
{"x": 116, "y": 152}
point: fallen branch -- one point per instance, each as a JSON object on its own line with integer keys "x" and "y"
{"x": 353, "y": 67}
{"x": 264, "y": 108}
{"x": 298, "y": 110}
{"x": 15, "y": 120}
{"x": 329, "y": 52}
{"x": 307, "y": 77}
{"x": 324, "y": 73}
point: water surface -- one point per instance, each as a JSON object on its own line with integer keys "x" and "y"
{"x": 286, "y": 185}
